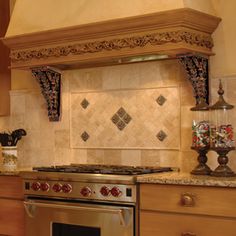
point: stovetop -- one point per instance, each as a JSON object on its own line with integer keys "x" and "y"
{"x": 115, "y": 183}
{"x": 103, "y": 169}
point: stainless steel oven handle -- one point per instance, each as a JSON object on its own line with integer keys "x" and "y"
{"x": 30, "y": 207}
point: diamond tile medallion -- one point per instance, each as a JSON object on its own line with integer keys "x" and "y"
{"x": 84, "y": 103}
{"x": 161, "y": 100}
{"x": 127, "y": 119}
{"x": 161, "y": 135}
{"x": 121, "y": 118}
{"x": 84, "y": 136}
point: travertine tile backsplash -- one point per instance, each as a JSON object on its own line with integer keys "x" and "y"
{"x": 130, "y": 119}
{"x": 135, "y": 88}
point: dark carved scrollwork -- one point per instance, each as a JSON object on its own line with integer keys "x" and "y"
{"x": 196, "y": 68}
{"x": 50, "y": 84}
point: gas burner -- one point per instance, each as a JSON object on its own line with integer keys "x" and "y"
{"x": 103, "y": 169}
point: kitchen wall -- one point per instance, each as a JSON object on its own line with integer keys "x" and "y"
{"x": 135, "y": 88}
{"x": 59, "y": 143}
{"x": 222, "y": 64}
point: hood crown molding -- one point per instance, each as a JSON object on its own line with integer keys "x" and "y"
{"x": 171, "y": 33}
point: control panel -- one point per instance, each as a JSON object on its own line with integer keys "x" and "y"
{"x": 96, "y": 191}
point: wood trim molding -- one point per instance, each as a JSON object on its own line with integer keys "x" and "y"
{"x": 171, "y": 33}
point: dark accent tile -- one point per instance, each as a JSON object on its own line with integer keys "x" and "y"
{"x": 121, "y": 118}
{"x": 85, "y": 136}
{"x": 161, "y": 100}
{"x": 121, "y": 125}
{"x": 161, "y": 135}
{"x": 127, "y": 118}
{"x": 84, "y": 103}
{"x": 115, "y": 119}
{"x": 121, "y": 112}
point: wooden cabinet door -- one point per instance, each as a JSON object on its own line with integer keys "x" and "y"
{"x": 171, "y": 224}
{"x": 188, "y": 199}
{"x": 5, "y": 72}
{"x": 11, "y": 187}
{"x": 11, "y": 217}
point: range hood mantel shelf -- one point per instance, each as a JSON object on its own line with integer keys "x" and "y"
{"x": 170, "y": 33}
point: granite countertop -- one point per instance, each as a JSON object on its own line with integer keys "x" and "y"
{"x": 180, "y": 178}
{"x": 9, "y": 174}
{"x": 175, "y": 178}
{"x": 16, "y": 173}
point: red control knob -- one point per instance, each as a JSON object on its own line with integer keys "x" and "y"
{"x": 36, "y": 186}
{"x": 86, "y": 191}
{"x": 66, "y": 188}
{"x": 45, "y": 187}
{"x": 105, "y": 191}
{"x": 57, "y": 188}
{"x": 116, "y": 192}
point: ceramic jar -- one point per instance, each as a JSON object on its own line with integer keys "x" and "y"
{"x": 9, "y": 155}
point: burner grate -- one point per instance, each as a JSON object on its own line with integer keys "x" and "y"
{"x": 103, "y": 169}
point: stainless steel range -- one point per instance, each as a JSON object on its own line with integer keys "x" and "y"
{"x": 85, "y": 200}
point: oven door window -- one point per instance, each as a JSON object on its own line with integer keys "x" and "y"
{"x": 59, "y": 229}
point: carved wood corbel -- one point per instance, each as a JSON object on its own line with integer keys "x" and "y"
{"x": 196, "y": 68}
{"x": 50, "y": 84}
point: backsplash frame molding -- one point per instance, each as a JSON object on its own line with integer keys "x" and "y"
{"x": 122, "y": 89}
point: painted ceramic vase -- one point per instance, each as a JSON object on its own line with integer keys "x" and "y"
{"x": 9, "y": 155}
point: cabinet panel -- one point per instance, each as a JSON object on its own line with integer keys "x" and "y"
{"x": 166, "y": 224}
{"x": 11, "y": 187}
{"x": 5, "y": 73}
{"x": 188, "y": 199}
{"x": 11, "y": 217}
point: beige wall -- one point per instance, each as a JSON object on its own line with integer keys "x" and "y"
{"x": 87, "y": 11}
{"x": 201, "y": 5}
{"x": 223, "y": 63}
{"x": 44, "y": 14}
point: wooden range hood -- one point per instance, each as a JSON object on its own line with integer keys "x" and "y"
{"x": 167, "y": 34}
{"x": 182, "y": 33}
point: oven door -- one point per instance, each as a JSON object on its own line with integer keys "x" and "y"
{"x": 62, "y": 218}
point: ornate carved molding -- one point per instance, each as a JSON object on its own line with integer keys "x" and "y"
{"x": 196, "y": 68}
{"x": 179, "y": 36}
{"x": 50, "y": 84}
{"x": 169, "y": 33}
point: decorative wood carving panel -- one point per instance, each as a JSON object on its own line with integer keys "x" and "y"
{"x": 179, "y": 36}
{"x": 196, "y": 68}
{"x": 171, "y": 33}
{"x": 50, "y": 84}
